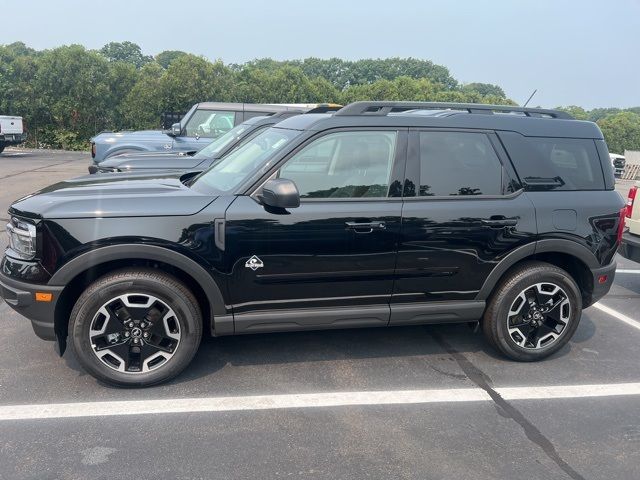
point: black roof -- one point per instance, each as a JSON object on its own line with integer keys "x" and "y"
{"x": 529, "y": 122}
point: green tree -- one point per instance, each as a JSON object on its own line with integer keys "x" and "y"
{"x": 576, "y": 112}
{"x": 143, "y": 105}
{"x": 484, "y": 89}
{"x": 127, "y": 52}
{"x": 168, "y": 56}
{"x": 73, "y": 85}
{"x": 621, "y": 131}
{"x": 191, "y": 79}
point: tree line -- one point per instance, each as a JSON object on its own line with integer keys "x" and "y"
{"x": 69, "y": 93}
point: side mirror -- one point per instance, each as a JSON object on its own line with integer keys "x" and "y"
{"x": 280, "y": 193}
{"x": 176, "y": 130}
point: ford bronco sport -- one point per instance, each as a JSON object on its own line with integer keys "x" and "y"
{"x": 382, "y": 214}
{"x": 207, "y": 156}
{"x": 203, "y": 123}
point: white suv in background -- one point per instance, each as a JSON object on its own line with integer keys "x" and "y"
{"x": 618, "y": 162}
{"x": 630, "y": 244}
{"x": 11, "y": 131}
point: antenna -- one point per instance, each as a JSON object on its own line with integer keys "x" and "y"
{"x": 527, "y": 102}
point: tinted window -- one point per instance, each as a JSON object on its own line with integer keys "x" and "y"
{"x": 555, "y": 163}
{"x": 343, "y": 165}
{"x": 458, "y": 163}
{"x": 254, "y": 155}
{"x": 248, "y": 115}
{"x": 209, "y": 124}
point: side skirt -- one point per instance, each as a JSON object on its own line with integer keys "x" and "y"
{"x": 436, "y": 312}
{"x": 349, "y": 317}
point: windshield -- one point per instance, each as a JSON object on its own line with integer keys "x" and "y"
{"x": 247, "y": 159}
{"x": 220, "y": 143}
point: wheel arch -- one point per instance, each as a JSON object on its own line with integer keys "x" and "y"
{"x": 572, "y": 257}
{"x": 87, "y": 267}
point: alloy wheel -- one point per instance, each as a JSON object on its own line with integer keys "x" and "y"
{"x": 538, "y": 316}
{"x": 135, "y": 333}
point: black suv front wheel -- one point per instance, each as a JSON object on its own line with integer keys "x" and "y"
{"x": 135, "y": 327}
{"x": 533, "y": 312}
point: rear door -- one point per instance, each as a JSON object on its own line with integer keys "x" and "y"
{"x": 10, "y": 126}
{"x": 463, "y": 212}
{"x": 330, "y": 262}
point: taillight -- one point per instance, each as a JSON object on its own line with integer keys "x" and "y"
{"x": 93, "y": 150}
{"x": 630, "y": 199}
{"x": 621, "y": 223}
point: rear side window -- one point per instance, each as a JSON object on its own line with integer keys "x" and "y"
{"x": 458, "y": 163}
{"x": 555, "y": 163}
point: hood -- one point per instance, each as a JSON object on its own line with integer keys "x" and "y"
{"x": 114, "y": 195}
{"x": 159, "y": 161}
{"x": 143, "y": 135}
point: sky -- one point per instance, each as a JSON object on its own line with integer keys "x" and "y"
{"x": 574, "y": 52}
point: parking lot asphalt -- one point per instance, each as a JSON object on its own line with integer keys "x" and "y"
{"x": 300, "y": 405}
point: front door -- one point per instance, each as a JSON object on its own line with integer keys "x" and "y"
{"x": 462, "y": 213}
{"x": 328, "y": 263}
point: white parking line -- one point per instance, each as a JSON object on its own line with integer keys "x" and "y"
{"x": 627, "y": 270}
{"x": 309, "y": 400}
{"x": 620, "y": 316}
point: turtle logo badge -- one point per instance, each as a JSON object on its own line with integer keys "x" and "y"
{"x": 254, "y": 263}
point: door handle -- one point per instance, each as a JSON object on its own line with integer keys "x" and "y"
{"x": 500, "y": 221}
{"x": 365, "y": 227}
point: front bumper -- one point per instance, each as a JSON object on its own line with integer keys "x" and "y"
{"x": 630, "y": 246}
{"x": 22, "y": 298}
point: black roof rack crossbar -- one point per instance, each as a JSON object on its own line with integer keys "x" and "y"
{"x": 384, "y": 108}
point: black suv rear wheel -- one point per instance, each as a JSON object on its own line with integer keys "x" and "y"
{"x": 533, "y": 312}
{"x": 135, "y": 327}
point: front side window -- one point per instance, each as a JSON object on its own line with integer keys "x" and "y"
{"x": 209, "y": 123}
{"x": 243, "y": 162}
{"x": 221, "y": 142}
{"x": 458, "y": 163}
{"x": 343, "y": 165}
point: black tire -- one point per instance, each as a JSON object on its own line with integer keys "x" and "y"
{"x": 2, "y": 145}
{"x": 136, "y": 285}
{"x": 499, "y": 318}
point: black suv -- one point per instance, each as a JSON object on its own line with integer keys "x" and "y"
{"x": 382, "y": 214}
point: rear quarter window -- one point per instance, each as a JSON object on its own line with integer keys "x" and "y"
{"x": 568, "y": 163}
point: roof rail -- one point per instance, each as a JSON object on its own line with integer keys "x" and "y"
{"x": 384, "y": 108}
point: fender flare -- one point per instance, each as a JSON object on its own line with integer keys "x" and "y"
{"x": 554, "y": 245}
{"x": 571, "y": 247}
{"x": 117, "y": 150}
{"x": 101, "y": 255}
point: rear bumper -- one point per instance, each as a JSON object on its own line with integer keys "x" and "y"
{"x": 630, "y": 246}
{"x": 602, "y": 281}
{"x": 22, "y": 298}
{"x": 13, "y": 138}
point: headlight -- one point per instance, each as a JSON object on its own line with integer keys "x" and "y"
{"x": 22, "y": 238}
